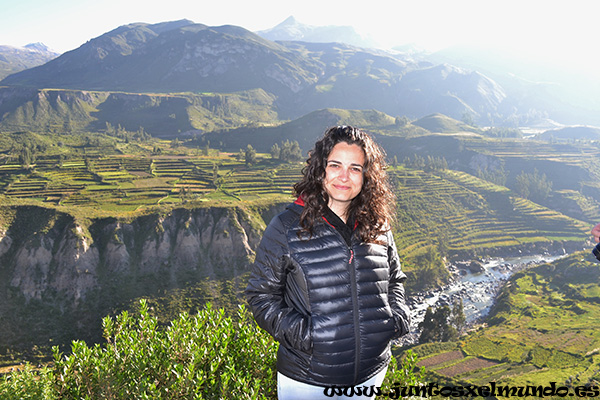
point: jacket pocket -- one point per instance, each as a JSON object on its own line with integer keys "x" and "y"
{"x": 395, "y": 326}
{"x": 295, "y": 332}
{"x": 296, "y": 297}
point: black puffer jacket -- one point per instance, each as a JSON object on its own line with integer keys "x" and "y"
{"x": 333, "y": 308}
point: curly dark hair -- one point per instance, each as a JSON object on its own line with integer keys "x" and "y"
{"x": 372, "y": 208}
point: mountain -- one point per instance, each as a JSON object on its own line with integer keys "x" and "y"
{"x": 173, "y": 57}
{"x": 452, "y": 91}
{"x": 305, "y": 130}
{"x": 183, "y": 56}
{"x": 318, "y": 70}
{"x": 163, "y": 115}
{"x": 15, "y": 59}
{"x": 565, "y": 94}
{"x": 358, "y": 78}
{"x": 292, "y": 30}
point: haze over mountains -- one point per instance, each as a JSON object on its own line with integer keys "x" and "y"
{"x": 569, "y": 95}
{"x": 292, "y": 29}
{"x": 306, "y": 68}
{"x": 15, "y": 59}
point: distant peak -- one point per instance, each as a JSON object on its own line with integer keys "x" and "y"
{"x": 38, "y": 47}
{"x": 289, "y": 21}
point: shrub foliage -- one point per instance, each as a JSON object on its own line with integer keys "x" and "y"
{"x": 206, "y": 356}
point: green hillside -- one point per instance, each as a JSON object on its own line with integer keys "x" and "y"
{"x": 87, "y": 158}
{"x": 446, "y": 213}
{"x": 229, "y": 122}
{"x": 457, "y": 211}
{"x": 572, "y": 133}
{"x": 442, "y": 124}
{"x": 458, "y": 216}
{"x": 163, "y": 115}
{"x": 121, "y": 185}
{"x": 541, "y": 330}
{"x": 305, "y": 130}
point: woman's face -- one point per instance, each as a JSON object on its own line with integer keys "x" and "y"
{"x": 343, "y": 176}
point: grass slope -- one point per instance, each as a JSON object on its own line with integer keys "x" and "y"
{"x": 448, "y": 213}
{"x": 450, "y": 210}
{"x": 443, "y": 124}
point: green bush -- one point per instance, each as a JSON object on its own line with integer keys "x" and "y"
{"x": 27, "y": 384}
{"x": 206, "y": 356}
{"x": 407, "y": 374}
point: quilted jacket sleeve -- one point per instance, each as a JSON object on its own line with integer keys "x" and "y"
{"x": 396, "y": 290}
{"x": 266, "y": 291}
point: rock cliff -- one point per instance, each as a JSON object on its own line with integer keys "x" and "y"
{"x": 43, "y": 251}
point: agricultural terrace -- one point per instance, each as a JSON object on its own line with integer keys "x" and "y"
{"x": 117, "y": 184}
{"x": 454, "y": 211}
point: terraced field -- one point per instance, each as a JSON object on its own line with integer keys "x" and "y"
{"x": 533, "y": 149}
{"x": 461, "y": 212}
{"x": 127, "y": 183}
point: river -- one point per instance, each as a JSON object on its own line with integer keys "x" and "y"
{"x": 477, "y": 289}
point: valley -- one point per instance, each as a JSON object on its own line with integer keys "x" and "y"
{"x": 179, "y": 223}
{"x": 94, "y": 221}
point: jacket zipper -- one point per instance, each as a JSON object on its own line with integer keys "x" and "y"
{"x": 354, "y": 288}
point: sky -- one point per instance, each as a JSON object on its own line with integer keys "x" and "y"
{"x": 553, "y": 29}
{"x": 66, "y": 24}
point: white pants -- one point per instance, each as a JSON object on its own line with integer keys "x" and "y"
{"x": 290, "y": 389}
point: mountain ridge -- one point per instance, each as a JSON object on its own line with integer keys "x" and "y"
{"x": 568, "y": 94}
{"x": 294, "y": 67}
{"x": 184, "y": 56}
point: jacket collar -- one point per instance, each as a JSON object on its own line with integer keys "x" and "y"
{"x": 330, "y": 218}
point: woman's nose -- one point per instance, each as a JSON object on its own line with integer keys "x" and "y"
{"x": 344, "y": 174}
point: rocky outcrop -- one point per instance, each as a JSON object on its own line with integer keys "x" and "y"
{"x": 53, "y": 254}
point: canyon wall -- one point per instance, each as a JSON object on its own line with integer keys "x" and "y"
{"x": 43, "y": 251}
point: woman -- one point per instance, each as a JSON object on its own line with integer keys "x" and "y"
{"x": 326, "y": 282}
